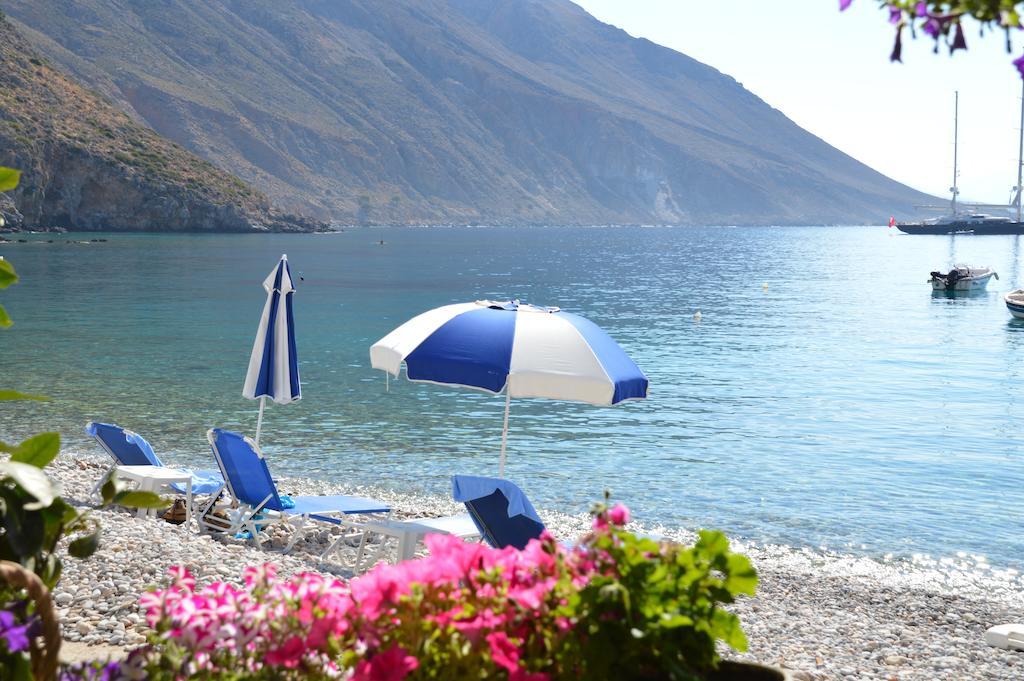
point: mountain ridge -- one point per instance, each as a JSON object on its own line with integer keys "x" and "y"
{"x": 457, "y": 111}
{"x": 87, "y": 166}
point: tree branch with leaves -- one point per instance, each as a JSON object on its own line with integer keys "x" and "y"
{"x": 942, "y": 21}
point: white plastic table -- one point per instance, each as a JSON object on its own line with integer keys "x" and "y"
{"x": 151, "y": 478}
{"x": 409, "y": 534}
{"x": 461, "y": 526}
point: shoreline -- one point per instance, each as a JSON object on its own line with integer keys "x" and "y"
{"x": 333, "y": 227}
{"x": 821, "y": 615}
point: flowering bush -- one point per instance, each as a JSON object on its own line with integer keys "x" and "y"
{"x": 615, "y": 606}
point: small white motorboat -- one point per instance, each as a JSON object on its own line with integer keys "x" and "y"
{"x": 962, "y": 278}
{"x": 1015, "y": 303}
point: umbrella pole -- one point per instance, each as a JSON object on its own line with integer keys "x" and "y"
{"x": 259, "y": 419}
{"x": 504, "y": 435}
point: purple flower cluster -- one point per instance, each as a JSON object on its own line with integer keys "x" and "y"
{"x": 92, "y": 671}
{"x": 131, "y": 668}
{"x": 14, "y": 635}
{"x": 938, "y": 21}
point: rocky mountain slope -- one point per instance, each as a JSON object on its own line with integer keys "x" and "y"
{"x": 499, "y": 111}
{"x": 86, "y": 165}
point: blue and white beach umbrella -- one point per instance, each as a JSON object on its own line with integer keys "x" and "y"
{"x": 523, "y": 350}
{"x": 274, "y": 364}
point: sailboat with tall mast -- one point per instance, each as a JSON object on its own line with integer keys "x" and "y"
{"x": 958, "y": 222}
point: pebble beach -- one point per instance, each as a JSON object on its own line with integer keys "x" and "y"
{"x": 819, "y": 615}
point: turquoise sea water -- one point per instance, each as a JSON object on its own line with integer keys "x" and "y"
{"x": 842, "y": 406}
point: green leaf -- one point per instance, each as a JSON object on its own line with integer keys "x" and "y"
{"x": 109, "y": 489}
{"x": 83, "y": 547}
{"x": 726, "y": 626}
{"x": 5, "y": 319}
{"x": 32, "y": 480}
{"x": 672, "y": 621}
{"x": 9, "y": 178}
{"x": 8, "y": 395}
{"x": 50, "y": 571}
{"x": 21, "y": 669}
{"x": 7, "y": 274}
{"x": 57, "y": 514}
{"x": 742, "y": 577}
{"x": 25, "y": 532}
{"x": 712, "y": 543}
{"x": 38, "y": 450}
{"x": 135, "y": 499}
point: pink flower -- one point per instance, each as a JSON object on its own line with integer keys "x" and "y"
{"x": 378, "y": 589}
{"x": 455, "y": 556}
{"x": 532, "y": 597}
{"x": 1019, "y": 63}
{"x": 619, "y": 515}
{"x": 504, "y": 653}
{"x": 485, "y": 619}
{"x": 259, "y": 575}
{"x": 392, "y": 665}
{"x": 843, "y": 4}
{"x": 180, "y": 576}
{"x": 539, "y": 554}
{"x": 289, "y": 655}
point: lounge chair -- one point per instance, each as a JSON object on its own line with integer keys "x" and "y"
{"x": 131, "y": 449}
{"x": 501, "y": 511}
{"x": 257, "y": 503}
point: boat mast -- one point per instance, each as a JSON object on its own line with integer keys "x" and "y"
{"x": 956, "y": 111}
{"x": 1020, "y": 152}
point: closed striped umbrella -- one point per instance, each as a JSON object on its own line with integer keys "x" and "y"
{"x": 523, "y": 350}
{"x": 274, "y": 364}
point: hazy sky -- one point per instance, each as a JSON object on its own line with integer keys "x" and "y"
{"x": 830, "y": 73}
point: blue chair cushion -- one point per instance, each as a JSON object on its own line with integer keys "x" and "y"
{"x": 490, "y": 513}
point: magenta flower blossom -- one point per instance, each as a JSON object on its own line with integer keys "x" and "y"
{"x": 843, "y": 4}
{"x": 503, "y": 651}
{"x": 921, "y": 9}
{"x": 895, "y": 14}
{"x": 392, "y": 665}
{"x": 619, "y": 515}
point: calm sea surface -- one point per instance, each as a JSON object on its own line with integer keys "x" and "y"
{"x": 842, "y": 406}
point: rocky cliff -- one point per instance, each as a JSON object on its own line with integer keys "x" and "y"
{"x": 86, "y": 165}
{"x": 499, "y": 111}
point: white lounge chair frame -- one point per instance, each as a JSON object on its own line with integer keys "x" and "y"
{"x": 242, "y": 516}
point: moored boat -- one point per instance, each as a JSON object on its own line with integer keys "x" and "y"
{"x": 1015, "y": 303}
{"x": 977, "y": 223}
{"x": 959, "y": 222}
{"x": 962, "y": 278}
